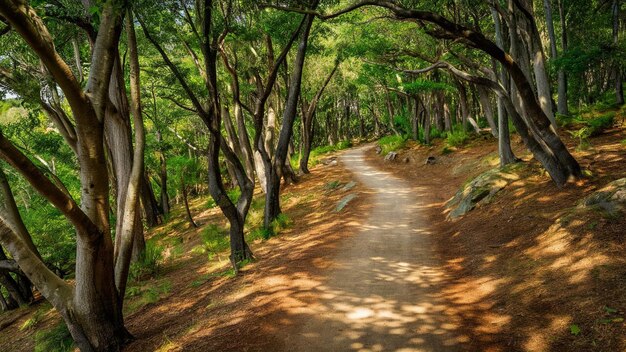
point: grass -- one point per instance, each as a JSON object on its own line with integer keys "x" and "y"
{"x": 391, "y": 143}
{"x": 57, "y": 339}
{"x": 214, "y": 240}
{"x": 279, "y": 224}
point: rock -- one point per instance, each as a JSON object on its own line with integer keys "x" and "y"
{"x": 350, "y": 185}
{"x": 611, "y": 198}
{"x": 332, "y": 185}
{"x": 406, "y": 160}
{"x": 333, "y": 163}
{"x": 391, "y": 156}
{"x": 379, "y": 150}
{"x": 430, "y": 160}
{"x": 329, "y": 161}
{"x": 481, "y": 190}
{"x": 343, "y": 202}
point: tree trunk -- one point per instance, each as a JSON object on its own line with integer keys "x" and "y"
{"x": 244, "y": 141}
{"x": 562, "y": 89}
{"x": 272, "y": 197}
{"x": 91, "y": 309}
{"x": 307, "y": 141}
{"x": 539, "y": 63}
{"x": 183, "y": 190}
{"x": 485, "y": 102}
{"x": 619, "y": 86}
{"x": 164, "y": 197}
{"x": 149, "y": 202}
{"x": 427, "y": 120}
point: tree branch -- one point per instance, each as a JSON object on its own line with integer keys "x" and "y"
{"x": 45, "y": 187}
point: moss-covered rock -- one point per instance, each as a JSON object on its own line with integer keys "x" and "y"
{"x": 479, "y": 190}
{"x": 611, "y": 198}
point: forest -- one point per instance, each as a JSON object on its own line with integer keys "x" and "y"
{"x": 212, "y": 174}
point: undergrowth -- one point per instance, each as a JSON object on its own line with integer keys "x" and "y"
{"x": 315, "y": 157}
{"x": 391, "y": 143}
{"x": 57, "y": 339}
{"x": 591, "y": 125}
{"x": 214, "y": 240}
{"x": 457, "y": 138}
{"x": 148, "y": 263}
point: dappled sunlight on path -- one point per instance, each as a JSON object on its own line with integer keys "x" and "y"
{"x": 383, "y": 292}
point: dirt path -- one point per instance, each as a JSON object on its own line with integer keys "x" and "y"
{"x": 383, "y": 293}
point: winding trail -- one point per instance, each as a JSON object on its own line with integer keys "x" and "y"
{"x": 384, "y": 294}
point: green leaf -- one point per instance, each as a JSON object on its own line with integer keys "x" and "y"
{"x": 574, "y": 329}
{"x": 610, "y": 310}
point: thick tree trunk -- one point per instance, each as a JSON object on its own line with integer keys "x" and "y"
{"x": 92, "y": 308}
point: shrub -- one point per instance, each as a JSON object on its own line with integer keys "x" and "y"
{"x": 457, "y": 138}
{"x": 600, "y": 123}
{"x": 343, "y": 145}
{"x": 391, "y": 143}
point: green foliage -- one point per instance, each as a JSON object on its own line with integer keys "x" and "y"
{"x": 602, "y": 122}
{"x": 391, "y": 143}
{"x": 574, "y": 329}
{"x": 214, "y": 240}
{"x": 148, "y": 263}
{"x": 317, "y": 153}
{"x": 590, "y": 127}
{"x": 260, "y": 233}
{"x": 457, "y": 138}
{"x": 421, "y": 86}
{"x": 582, "y": 135}
{"x": 279, "y": 224}
{"x": 57, "y": 339}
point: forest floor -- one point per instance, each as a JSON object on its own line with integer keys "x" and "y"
{"x": 527, "y": 272}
